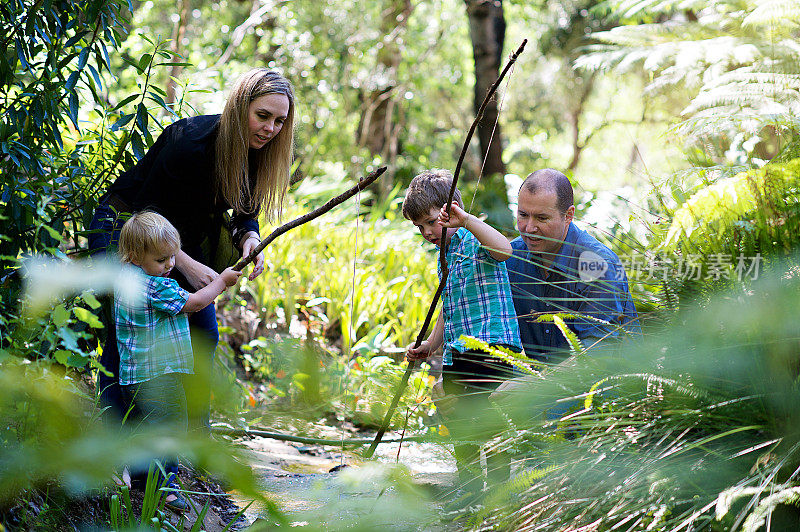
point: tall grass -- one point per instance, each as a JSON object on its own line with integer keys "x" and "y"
{"x": 692, "y": 428}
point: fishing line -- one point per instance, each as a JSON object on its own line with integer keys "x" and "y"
{"x": 352, "y": 331}
{"x": 491, "y": 137}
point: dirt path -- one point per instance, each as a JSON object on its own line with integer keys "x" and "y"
{"x": 298, "y": 478}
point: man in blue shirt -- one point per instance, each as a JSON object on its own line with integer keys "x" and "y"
{"x": 558, "y": 268}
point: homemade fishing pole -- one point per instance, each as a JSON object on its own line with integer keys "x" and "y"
{"x": 444, "y": 240}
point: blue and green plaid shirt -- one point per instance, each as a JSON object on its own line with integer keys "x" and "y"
{"x": 152, "y": 332}
{"x": 477, "y": 298}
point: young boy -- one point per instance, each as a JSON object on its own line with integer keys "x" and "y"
{"x": 153, "y": 330}
{"x": 476, "y": 301}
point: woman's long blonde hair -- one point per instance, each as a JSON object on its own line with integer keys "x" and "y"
{"x": 273, "y": 161}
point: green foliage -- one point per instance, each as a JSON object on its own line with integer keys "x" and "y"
{"x": 82, "y": 100}
{"x": 309, "y": 383}
{"x": 152, "y": 516}
{"x": 518, "y": 360}
{"x": 739, "y": 59}
{"x": 698, "y": 415}
{"x": 753, "y": 212}
{"x": 54, "y": 56}
{"x": 366, "y": 282}
{"x": 50, "y": 434}
{"x": 61, "y": 144}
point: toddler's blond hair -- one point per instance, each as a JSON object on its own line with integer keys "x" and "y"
{"x": 145, "y": 232}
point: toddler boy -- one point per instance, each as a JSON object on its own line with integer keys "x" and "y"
{"x": 153, "y": 331}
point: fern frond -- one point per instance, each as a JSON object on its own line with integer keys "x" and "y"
{"x": 549, "y": 317}
{"x": 758, "y": 516}
{"x": 773, "y": 13}
{"x": 710, "y": 214}
{"x": 653, "y": 379}
{"x": 726, "y": 499}
{"x": 770, "y": 93}
{"x": 514, "y": 487}
{"x": 518, "y": 360}
{"x": 575, "y": 345}
{"x": 587, "y": 403}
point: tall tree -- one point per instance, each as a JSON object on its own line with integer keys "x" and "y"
{"x": 379, "y": 126}
{"x": 178, "y": 34}
{"x": 487, "y": 31}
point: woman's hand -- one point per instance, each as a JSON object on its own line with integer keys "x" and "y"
{"x": 251, "y": 241}
{"x": 197, "y": 273}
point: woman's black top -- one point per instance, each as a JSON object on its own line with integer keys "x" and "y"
{"x": 175, "y": 178}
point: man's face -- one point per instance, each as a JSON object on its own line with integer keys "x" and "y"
{"x": 540, "y": 223}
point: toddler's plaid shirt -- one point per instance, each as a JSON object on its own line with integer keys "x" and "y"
{"x": 152, "y": 332}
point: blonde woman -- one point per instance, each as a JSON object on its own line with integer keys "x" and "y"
{"x": 196, "y": 171}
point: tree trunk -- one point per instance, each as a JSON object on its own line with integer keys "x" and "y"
{"x": 378, "y": 128}
{"x": 175, "y": 48}
{"x": 584, "y": 87}
{"x": 487, "y": 30}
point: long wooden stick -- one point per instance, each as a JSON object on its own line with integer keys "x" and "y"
{"x": 444, "y": 242}
{"x": 263, "y": 433}
{"x": 319, "y": 211}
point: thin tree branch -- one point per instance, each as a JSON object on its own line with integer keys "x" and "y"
{"x": 263, "y": 433}
{"x": 319, "y": 211}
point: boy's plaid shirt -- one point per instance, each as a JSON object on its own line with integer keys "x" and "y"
{"x": 152, "y": 332}
{"x": 477, "y": 298}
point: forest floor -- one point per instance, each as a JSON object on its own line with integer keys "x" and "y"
{"x": 299, "y": 479}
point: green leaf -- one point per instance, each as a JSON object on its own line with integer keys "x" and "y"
{"x": 88, "y": 317}
{"x": 90, "y": 300}
{"x": 53, "y": 233}
{"x": 174, "y": 63}
{"x": 62, "y": 356}
{"x": 69, "y": 338}
{"x": 72, "y": 80}
{"x": 60, "y": 316}
{"x": 158, "y": 99}
{"x": 125, "y": 102}
{"x": 141, "y": 117}
{"x": 73, "y": 108}
{"x": 122, "y": 122}
{"x": 128, "y": 59}
{"x": 83, "y": 57}
{"x": 74, "y": 39}
{"x": 144, "y": 61}
{"x": 77, "y": 360}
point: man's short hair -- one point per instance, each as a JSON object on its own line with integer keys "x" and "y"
{"x": 428, "y": 190}
{"x": 145, "y": 232}
{"x": 550, "y": 179}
